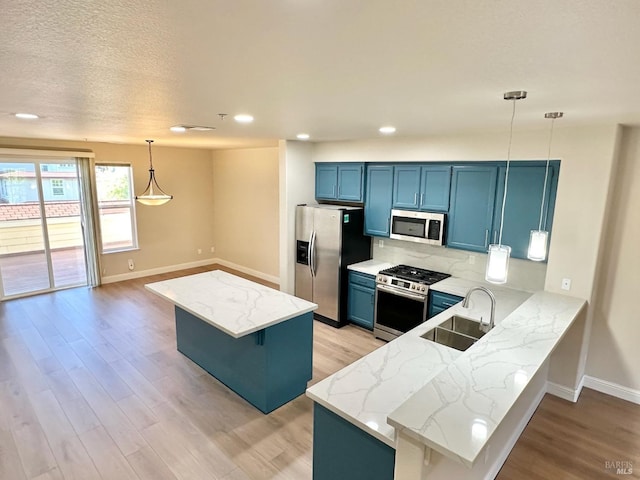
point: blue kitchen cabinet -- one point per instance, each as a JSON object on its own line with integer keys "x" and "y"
{"x": 435, "y": 184}
{"x": 361, "y": 295}
{"x": 406, "y": 186}
{"x": 473, "y": 195}
{"x": 326, "y": 181}
{"x": 522, "y": 208}
{"x": 343, "y": 451}
{"x": 378, "y": 200}
{"x": 350, "y": 182}
{"x": 340, "y": 181}
{"x": 439, "y": 302}
{"x": 422, "y": 187}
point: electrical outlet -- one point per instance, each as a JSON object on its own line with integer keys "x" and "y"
{"x": 213, "y": 249}
{"x": 566, "y": 284}
{"x": 131, "y": 265}
{"x": 199, "y": 251}
{"x": 380, "y": 243}
{"x": 472, "y": 259}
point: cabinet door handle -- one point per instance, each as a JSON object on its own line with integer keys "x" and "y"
{"x": 421, "y": 198}
{"x": 415, "y": 198}
{"x": 447, "y": 304}
{"x": 486, "y": 237}
{"x": 495, "y": 236}
{"x": 333, "y": 191}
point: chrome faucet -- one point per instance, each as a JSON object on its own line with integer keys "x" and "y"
{"x": 465, "y": 304}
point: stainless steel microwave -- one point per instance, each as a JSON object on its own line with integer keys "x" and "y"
{"x": 421, "y": 227}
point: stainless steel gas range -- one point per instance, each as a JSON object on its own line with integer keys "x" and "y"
{"x": 401, "y": 299}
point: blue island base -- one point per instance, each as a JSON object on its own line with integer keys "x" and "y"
{"x": 267, "y": 368}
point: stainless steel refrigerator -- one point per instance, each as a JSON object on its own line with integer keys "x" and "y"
{"x": 328, "y": 239}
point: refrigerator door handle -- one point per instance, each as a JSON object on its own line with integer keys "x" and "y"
{"x": 312, "y": 253}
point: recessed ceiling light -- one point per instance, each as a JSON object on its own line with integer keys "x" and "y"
{"x": 27, "y": 116}
{"x": 178, "y": 129}
{"x": 302, "y": 136}
{"x": 243, "y": 118}
{"x": 387, "y": 130}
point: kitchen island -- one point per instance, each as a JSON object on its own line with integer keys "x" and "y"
{"x": 436, "y": 412}
{"x": 256, "y": 340}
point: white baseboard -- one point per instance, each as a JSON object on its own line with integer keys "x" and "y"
{"x": 248, "y": 271}
{"x": 565, "y": 393}
{"x": 613, "y": 389}
{"x": 184, "y": 266}
{"x": 156, "y": 271}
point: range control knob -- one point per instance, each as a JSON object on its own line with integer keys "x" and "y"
{"x": 422, "y": 288}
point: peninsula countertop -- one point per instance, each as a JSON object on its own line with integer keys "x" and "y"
{"x": 232, "y": 304}
{"x": 366, "y": 392}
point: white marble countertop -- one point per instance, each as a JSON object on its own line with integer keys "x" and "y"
{"x": 367, "y": 391}
{"x": 370, "y": 267}
{"x": 232, "y": 304}
{"x": 457, "y": 412}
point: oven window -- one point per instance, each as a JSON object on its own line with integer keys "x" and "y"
{"x": 399, "y": 313}
{"x": 413, "y": 227}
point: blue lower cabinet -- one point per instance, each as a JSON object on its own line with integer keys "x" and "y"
{"x": 361, "y": 299}
{"x": 342, "y": 451}
{"x": 439, "y": 302}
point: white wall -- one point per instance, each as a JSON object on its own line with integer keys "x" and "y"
{"x": 614, "y": 355}
{"x": 297, "y": 183}
{"x": 245, "y": 211}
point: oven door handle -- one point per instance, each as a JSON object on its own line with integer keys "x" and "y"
{"x": 400, "y": 293}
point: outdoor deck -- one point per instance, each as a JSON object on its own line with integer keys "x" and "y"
{"x": 27, "y": 272}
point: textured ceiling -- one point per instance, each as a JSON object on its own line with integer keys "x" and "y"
{"x": 126, "y": 70}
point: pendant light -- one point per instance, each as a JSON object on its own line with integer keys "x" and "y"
{"x": 539, "y": 239}
{"x": 153, "y": 194}
{"x": 498, "y": 259}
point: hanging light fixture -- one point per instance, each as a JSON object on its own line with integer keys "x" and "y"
{"x": 539, "y": 239}
{"x": 498, "y": 259}
{"x": 153, "y": 194}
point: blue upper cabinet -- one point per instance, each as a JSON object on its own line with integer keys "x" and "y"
{"x": 344, "y": 181}
{"x": 377, "y": 205}
{"x": 327, "y": 181}
{"x": 422, "y": 187}
{"x": 406, "y": 186}
{"x": 435, "y": 183}
{"x": 473, "y": 193}
{"x": 350, "y": 182}
{"x": 522, "y": 209}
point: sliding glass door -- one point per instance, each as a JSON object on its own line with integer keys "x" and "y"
{"x": 41, "y": 239}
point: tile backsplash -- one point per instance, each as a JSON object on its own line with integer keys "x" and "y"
{"x": 523, "y": 274}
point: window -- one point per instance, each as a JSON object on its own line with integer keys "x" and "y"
{"x": 116, "y": 206}
{"x": 57, "y": 187}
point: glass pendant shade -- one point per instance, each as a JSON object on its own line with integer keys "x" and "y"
{"x": 498, "y": 263}
{"x": 538, "y": 245}
{"x": 153, "y": 194}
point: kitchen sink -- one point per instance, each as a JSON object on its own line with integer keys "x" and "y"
{"x": 456, "y": 332}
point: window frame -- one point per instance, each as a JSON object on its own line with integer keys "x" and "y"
{"x": 131, "y": 205}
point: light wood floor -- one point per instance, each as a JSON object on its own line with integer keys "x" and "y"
{"x": 91, "y": 386}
